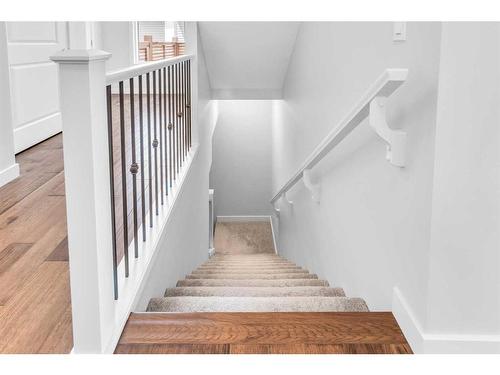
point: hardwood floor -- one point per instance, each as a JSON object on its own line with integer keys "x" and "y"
{"x": 35, "y": 307}
{"x": 34, "y": 246}
{"x": 263, "y": 333}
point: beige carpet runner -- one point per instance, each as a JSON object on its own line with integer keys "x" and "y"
{"x": 253, "y": 283}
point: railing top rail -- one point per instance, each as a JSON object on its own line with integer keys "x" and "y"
{"x": 384, "y": 86}
{"x": 139, "y": 69}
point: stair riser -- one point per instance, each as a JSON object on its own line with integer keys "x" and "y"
{"x": 256, "y": 304}
{"x": 255, "y": 292}
{"x": 261, "y": 271}
{"x": 248, "y": 265}
{"x": 255, "y": 276}
{"x": 244, "y": 264}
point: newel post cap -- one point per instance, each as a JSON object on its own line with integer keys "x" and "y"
{"x": 79, "y": 56}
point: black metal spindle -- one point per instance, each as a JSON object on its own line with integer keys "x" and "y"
{"x": 150, "y": 169}
{"x": 134, "y": 167}
{"x": 186, "y": 104}
{"x": 190, "y": 106}
{"x": 185, "y": 110}
{"x": 155, "y": 142}
{"x": 165, "y": 141}
{"x": 141, "y": 141}
{"x": 170, "y": 126}
{"x": 124, "y": 179}
{"x": 160, "y": 126}
{"x": 189, "y": 103}
{"x": 174, "y": 121}
{"x": 182, "y": 113}
{"x": 112, "y": 189}
{"x": 177, "y": 117}
{"x": 181, "y": 119}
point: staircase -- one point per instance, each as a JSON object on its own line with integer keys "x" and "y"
{"x": 247, "y": 299}
{"x": 253, "y": 281}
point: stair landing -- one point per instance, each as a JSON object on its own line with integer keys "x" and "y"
{"x": 263, "y": 333}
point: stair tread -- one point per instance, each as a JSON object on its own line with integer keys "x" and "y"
{"x": 256, "y": 304}
{"x": 255, "y": 291}
{"x": 366, "y": 328}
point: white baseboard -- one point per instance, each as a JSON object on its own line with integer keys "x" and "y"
{"x": 211, "y": 252}
{"x": 9, "y": 173}
{"x": 246, "y": 94}
{"x": 428, "y": 343}
{"x": 233, "y": 219}
{"x": 37, "y": 131}
{"x": 407, "y": 322}
{"x": 275, "y": 240}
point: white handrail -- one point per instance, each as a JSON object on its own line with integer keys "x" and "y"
{"x": 383, "y": 87}
{"x": 137, "y": 70}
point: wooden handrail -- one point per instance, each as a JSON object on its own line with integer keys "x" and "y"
{"x": 383, "y": 87}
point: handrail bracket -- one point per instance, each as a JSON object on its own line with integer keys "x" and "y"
{"x": 395, "y": 139}
{"x": 313, "y": 187}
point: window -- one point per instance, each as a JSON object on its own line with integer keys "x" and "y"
{"x": 158, "y": 40}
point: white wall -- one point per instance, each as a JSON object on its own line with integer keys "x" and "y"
{"x": 464, "y": 277}
{"x": 9, "y": 169}
{"x": 247, "y": 60}
{"x": 371, "y": 230}
{"x": 184, "y": 245}
{"x": 116, "y": 38}
{"x": 241, "y": 167}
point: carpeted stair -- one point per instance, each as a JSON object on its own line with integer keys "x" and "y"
{"x": 258, "y": 282}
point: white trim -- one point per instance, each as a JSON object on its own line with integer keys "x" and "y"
{"x": 9, "y": 173}
{"x": 439, "y": 343}
{"x": 246, "y": 94}
{"x": 274, "y": 235}
{"x": 36, "y": 131}
{"x": 407, "y": 322}
{"x": 134, "y": 40}
{"x": 143, "y": 68}
{"x": 232, "y": 219}
{"x": 131, "y": 289}
{"x": 211, "y": 252}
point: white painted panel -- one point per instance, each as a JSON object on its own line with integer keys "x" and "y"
{"x": 34, "y": 91}
{"x": 34, "y": 79}
{"x": 32, "y": 32}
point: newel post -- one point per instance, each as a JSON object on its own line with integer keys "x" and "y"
{"x": 82, "y": 80}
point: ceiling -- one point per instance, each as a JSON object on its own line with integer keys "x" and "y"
{"x": 247, "y": 60}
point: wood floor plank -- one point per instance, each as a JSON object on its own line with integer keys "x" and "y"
{"x": 31, "y": 217}
{"x": 262, "y": 328}
{"x": 60, "y": 253}
{"x": 16, "y": 276}
{"x": 11, "y": 254}
{"x": 322, "y": 349}
{"x": 172, "y": 349}
{"x": 36, "y": 310}
{"x": 60, "y": 339}
{"x": 37, "y": 165}
{"x": 288, "y": 349}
